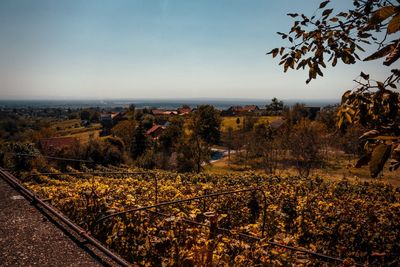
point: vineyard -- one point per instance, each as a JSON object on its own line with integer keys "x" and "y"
{"x": 356, "y": 222}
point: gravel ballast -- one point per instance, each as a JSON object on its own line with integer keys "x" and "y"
{"x": 29, "y": 237}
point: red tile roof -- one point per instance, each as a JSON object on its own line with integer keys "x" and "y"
{"x": 154, "y": 129}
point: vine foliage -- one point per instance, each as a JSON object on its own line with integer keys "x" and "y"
{"x": 329, "y": 36}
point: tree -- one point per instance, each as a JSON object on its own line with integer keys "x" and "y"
{"x": 147, "y": 121}
{"x": 305, "y": 144}
{"x": 206, "y": 123}
{"x": 275, "y": 107}
{"x": 140, "y": 142}
{"x": 85, "y": 115}
{"x": 295, "y": 114}
{"x": 229, "y": 141}
{"x": 249, "y": 122}
{"x": 329, "y": 36}
{"x": 194, "y": 149}
{"x": 125, "y": 130}
{"x": 192, "y": 152}
{"x": 169, "y": 138}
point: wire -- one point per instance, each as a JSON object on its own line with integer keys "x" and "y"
{"x": 50, "y": 157}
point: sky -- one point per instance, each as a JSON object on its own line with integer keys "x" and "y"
{"x": 102, "y": 49}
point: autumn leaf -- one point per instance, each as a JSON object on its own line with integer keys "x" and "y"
{"x": 394, "y": 24}
{"x": 382, "y": 14}
{"x": 381, "y": 53}
{"x": 379, "y": 157}
{"x": 327, "y": 12}
{"x": 364, "y": 160}
{"x": 364, "y": 76}
{"x": 274, "y": 52}
{"x": 323, "y": 4}
{"x": 393, "y": 56}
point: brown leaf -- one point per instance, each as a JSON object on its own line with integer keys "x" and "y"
{"x": 274, "y": 52}
{"x": 364, "y": 160}
{"x": 323, "y": 4}
{"x": 334, "y": 62}
{"x": 381, "y": 53}
{"x": 379, "y": 157}
{"x": 364, "y": 76}
{"x": 293, "y": 15}
{"x": 394, "y": 25}
{"x": 382, "y": 14}
{"x": 380, "y": 85}
{"x": 393, "y": 56}
{"x": 345, "y": 96}
{"x": 327, "y": 12}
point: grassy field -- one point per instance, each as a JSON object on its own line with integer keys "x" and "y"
{"x": 73, "y": 128}
{"x": 65, "y": 125}
{"x": 85, "y": 136}
{"x": 231, "y": 121}
{"x": 337, "y": 167}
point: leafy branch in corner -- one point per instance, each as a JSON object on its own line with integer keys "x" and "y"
{"x": 329, "y": 36}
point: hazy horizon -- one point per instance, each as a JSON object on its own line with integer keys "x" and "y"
{"x": 220, "y": 103}
{"x": 157, "y": 49}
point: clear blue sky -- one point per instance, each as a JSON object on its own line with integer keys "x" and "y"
{"x": 155, "y": 49}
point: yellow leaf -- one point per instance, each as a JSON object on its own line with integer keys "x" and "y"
{"x": 340, "y": 121}
{"x": 348, "y": 117}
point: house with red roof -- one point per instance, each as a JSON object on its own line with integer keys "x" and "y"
{"x": 155, "y": 131}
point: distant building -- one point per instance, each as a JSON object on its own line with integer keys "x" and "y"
{"x": 231, "y": 111}
{"x": 158, "y": 112}
{"x": 50, "y": 146}
{"x": 184, "y": 110}
{"x": 239, "y": 110}
{"x": 250, "y": 108}
{"x": 108, "y": 120}
{"x": 155, "y": 131}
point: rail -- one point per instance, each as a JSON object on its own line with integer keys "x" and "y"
{"x": 51, "y": 157}
{"x": 10, "y": 179}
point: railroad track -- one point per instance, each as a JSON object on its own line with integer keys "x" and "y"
{"x": 106, "y": 257}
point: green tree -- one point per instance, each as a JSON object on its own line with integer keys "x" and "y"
{"x": 329, "y": 36}
{"x": 85, "y": 115}
{"x": 147, "y": 121}
{"x": 305, "y": 145}
{"x": 140, "y": 142}
{"x": 206, "y": 123}
{"x": 194, "y": 149}
{"x": 295, "y": 114}
{"x": 125, "y": 130}
{"x": 229, "y": 139}
{"x": 275, "y": 107}
{"x": 169, "y": 138}
{"x": 249, "y": 122}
